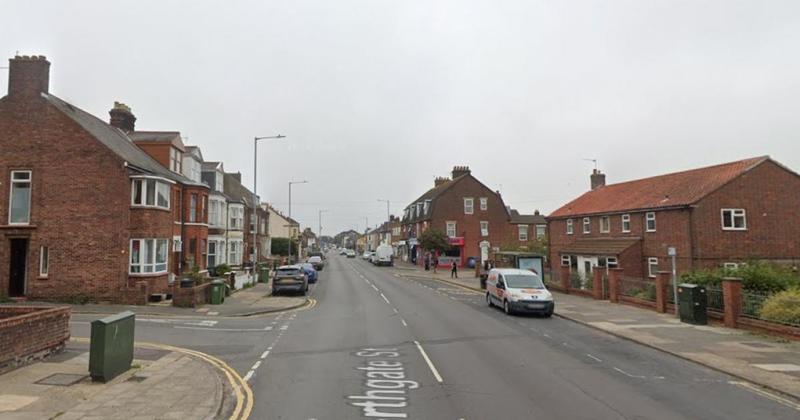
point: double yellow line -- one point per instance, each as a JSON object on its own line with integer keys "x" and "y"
{"x": 242, "y": 391}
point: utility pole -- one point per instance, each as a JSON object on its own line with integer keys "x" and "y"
{"x": 291, "y": 231}
{"x": 319, "y": 238}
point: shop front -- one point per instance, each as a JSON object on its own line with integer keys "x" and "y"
{"x": 455, "y": 253}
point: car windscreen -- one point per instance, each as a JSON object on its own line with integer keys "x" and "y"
{"x": 522, "y": 281}
{"x": 315, "y": 259}
{"x": 308, "y": 266}
{"x": 288, "y": 271}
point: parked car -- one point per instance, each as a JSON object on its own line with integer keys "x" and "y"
{"x": 517, "y": 290}
{"x": 311, "y": 272}
{"x": 316, "y": 261}
{"x": 351, "y": 253}
{"x": 290, "y": 278}
{"x": 384, "y": 255}
{"x": 342, "y": 251}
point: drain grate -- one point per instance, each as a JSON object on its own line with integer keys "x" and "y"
{"x": 62, "y": 379}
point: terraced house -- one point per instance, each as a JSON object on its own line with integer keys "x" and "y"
{"x": 721, "y": 215}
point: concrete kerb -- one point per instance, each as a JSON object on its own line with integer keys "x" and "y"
{"x": 243, "y": 393}
{"x": 77, "y": 311}
{"x": 633, "y": 340}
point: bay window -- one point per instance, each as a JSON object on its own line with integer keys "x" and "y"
{"x": 148, "y": 256}
{"x": 148, "y": 192}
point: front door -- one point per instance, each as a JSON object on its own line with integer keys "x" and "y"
{"x": 17, "y": 263}
{"x": 585, "y": 266}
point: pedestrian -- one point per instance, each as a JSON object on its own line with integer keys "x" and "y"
{"x": 427, "y": 262}
{"x": 453, "y": 270}
{"x": 435, "y": 263}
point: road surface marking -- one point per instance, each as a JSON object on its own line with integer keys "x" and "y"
{"x": 256, "y": 365}
{"x": 547, "y": 335}
{"x": 565, "y": 344}
{"x": 220, "y": 329}
{"x": 385, "y": 300}
{"x": 428, "y": 361}
{"x": 386, "y": 383}
{"x": 248, "y": 375}
{"x": 404, "y": 322}
{"x": 373, "y": 286}
{"x": 395, "y": 310}
{"x": 765, "y": 394}
{"x": 265, "y": 354}
{"x": 594, "y": 358}
{"x": 284, "y": 327}
{"x": 628, "y": 374}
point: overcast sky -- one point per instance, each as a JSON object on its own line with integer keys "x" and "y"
{"x": 378, "y": 97}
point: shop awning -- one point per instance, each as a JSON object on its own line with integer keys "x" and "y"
{"x": 599, "y": 246}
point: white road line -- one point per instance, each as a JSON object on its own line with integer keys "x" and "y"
{"x": 628, "y": 374}
{"x": 594, "y": 358}
{"x": 395, "y": 310}
{"x": 404, "y": 322}
{"x": 428, "y": 361}
{"x": 256, "y": 365}
{"x": 219, "y": 329}
{"x": 269, "y": 348}
{"x": 249, "y": 375}
{"x": 765, "y": 394}
{"x": 284, "y": 327}
{"x": 268, "y": 328}
{"x": 373, "y": 286}
{"x": 547, "y": 335}
{"x": 384, "y": 299}
{"x": 565, "y": 344}
{"x": 265, "y": 354}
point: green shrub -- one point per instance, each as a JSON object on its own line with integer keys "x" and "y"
{"x": 649, "y": 293}
{"x": 756, "y": 276}
{"x": 782, "y": 307}
{"x": 221, "y": 269}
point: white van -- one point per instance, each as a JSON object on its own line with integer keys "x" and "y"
{"x": 517, "y": 290}
{"x": 384, "y": 255}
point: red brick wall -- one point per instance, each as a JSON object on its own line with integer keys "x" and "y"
{"x": 198, "y": 230}
{"x": 157, "y": 150}
{"x": 191, "y": 297}
{"x": 770, "y": 196}
{"x": 79, "y": 207}
{"x": 450, "y": 207}
{"x": 29, "y": 333}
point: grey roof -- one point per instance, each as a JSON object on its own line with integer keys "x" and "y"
{"x": 116, "y": 140}
{"x": 527, "y": 219}
{"x": 163, "y": 136}
{"x": 238, "y": 192}
{"x": 211, "y": 166}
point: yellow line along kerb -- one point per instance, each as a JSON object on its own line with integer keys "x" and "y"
{"x": 242, "y": 391}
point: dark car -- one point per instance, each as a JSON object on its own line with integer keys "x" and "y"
{"x": 316, "y": 261}
{"x": 291, "y": 278}
{"x": 311, "y": 272}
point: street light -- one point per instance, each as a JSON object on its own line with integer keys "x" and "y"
{"x": 319, "y": 239}
{"x": 255, "y": 193}
{"x": 290, "y": 217}
{"x": 388, "y": 213}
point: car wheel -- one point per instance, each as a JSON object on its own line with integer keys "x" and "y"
{"x": 489, "y": 300}
{"x": 507, "y": 308}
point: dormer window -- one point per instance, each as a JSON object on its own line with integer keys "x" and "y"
{"x": 176, "y": 159}
{"x": 427, "y": 207}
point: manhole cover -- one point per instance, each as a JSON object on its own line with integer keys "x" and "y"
{"x": 62, "y": 379}
{"x": 758, "y": 345}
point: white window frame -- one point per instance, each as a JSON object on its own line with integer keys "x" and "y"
{"x": 153, "y": 264}
{"x": 158, "y": 184}
{"x": 28, "y": 181}
{"x": 570, "y": 227}
{"x": 450, "y": 227}
{"x": 734, "y": 213}
{"x": 469, "y": 205}
{"x": 650, "y": 262}
{"x": 587, "y": 225}
{"x": 733, "y": 265}
{"x": 565, "y": 260}
{"x": 605, "y": 224}
{"x": 543, "y": 232}
{"x": 44, "y": 261}
{"x": 484, "y": 203}
{"x": 236, "y": 217}
{"x": 193, "y": 208}
{"x": 426, "y": 207}
{"x": 650, "y": 216}
{"x": 484, "y": 228}
{"x": 612, "y": 262}
{"x": 522, "y": 233}
{"x": 626, "y": 223}
{"x": 175, "y": 160}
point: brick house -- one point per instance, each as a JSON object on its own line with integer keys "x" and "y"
{"x": 526, "y": 229}
{"x": 101, "y": 222}
{"x": 474, "y": 217}
{"x": 720, "y": 215}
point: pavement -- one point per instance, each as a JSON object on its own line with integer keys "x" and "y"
{"x": 256, "y": 300}
{"x": 770, "y": 362}
{"x": 163, "y": 384}
{"x": 390, "y": 343}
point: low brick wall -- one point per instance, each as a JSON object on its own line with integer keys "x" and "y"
{"x": 191, "y": 297}
{"x": 29, "y": 333}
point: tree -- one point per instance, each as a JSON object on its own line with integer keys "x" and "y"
{"x": 434, "y": 240}
{"x": 280, "y": 246}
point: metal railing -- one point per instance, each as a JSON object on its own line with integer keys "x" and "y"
{"x": 752, "y": 302}
{"x": 638, "y": 288}
{"x": 715, "y": 299}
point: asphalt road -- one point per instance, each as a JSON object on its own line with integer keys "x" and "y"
{"x": 382, "y": 346}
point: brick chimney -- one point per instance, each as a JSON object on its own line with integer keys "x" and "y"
{"x": 598, "y": 179}
{"x": 122, "y": 117}
{"x": 440, "y": 180}
{"x": 460, "y": 171}
{"x": 28, "y": 76}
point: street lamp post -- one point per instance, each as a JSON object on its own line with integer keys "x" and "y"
{"x": 319, "y": 239}
{"x": 255, "y": 193}
{"x": 290, "y": 217}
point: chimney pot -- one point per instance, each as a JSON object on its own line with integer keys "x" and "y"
{"x": 122, "y": 117}
{"x": 28, "y": 76}
{"x": 598, "y": 179}
{"x": 460, "y": 171}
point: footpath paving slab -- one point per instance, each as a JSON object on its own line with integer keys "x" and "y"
{"x": 171, "y": 385}
{"x": 770, "y": 362}
{"x": 246, "y": 302}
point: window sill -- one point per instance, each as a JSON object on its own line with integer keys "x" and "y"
{"x": 160, "y": 273}
{"x": 734, "y": 229}
{"x": 42, "y": 278}
{"x": 133, "y": 207}
{"x": 17, "y": 226}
